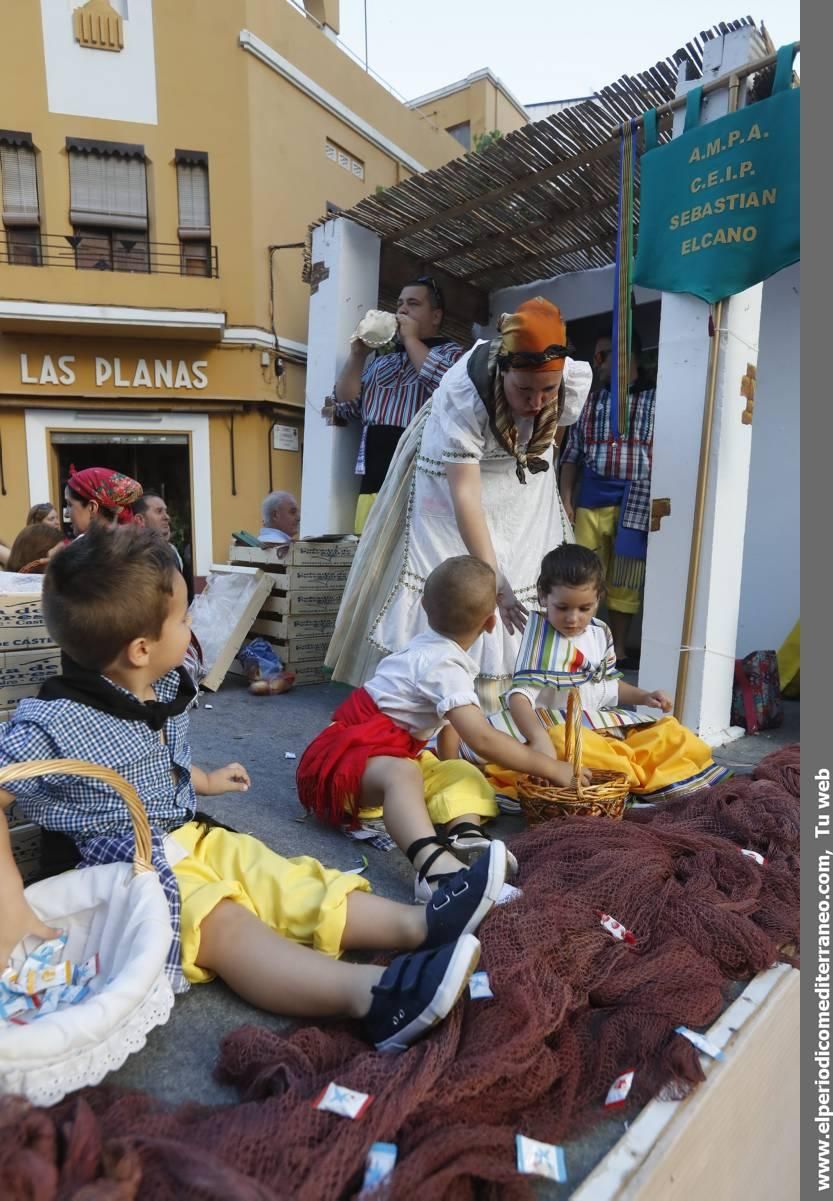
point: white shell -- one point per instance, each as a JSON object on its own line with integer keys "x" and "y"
{"x": 375, "y": 329}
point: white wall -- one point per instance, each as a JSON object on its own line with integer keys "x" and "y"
{"x": 770, "y": 581}
{"x": 329, "y": 484}
{"x": 100, "y": 83}
{"x": 579, "y": 294}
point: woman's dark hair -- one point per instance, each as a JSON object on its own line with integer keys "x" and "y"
{"x": 33, "y": 543}
{"x": 109, "y": 515}
{"x": 570, "y": 566}
{"x": 39, "y": 513}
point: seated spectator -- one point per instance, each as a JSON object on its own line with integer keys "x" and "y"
{"x": 281, "y": 518}
{"x": 45, "y": 513}
{"x": 32, "y": 547}
{"x": 101, "y": 495}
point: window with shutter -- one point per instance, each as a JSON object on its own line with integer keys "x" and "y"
{"x": 192, "y": 190}
{"x": 107, "y": 190}
{"x": 20, "y": 185}
{"x": 21, "y": 215}
{"x": 194, "y": 212}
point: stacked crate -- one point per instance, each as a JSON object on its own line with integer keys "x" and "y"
{"x": 28, "y": 656}
{"x": 299, "y": 616}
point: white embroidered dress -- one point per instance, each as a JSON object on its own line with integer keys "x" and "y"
{"x": 524, "y": 520}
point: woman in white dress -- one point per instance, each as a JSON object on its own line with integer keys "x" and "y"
{"x": 474, "y": 474}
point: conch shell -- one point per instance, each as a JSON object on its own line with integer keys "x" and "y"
{"x": 375, "y": 329}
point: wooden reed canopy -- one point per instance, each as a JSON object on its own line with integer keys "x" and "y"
{"x": 539, "y": 202}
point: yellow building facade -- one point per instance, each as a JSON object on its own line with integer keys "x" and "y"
{"x": 160, "y": 163}
{"x": 472, "y": 107}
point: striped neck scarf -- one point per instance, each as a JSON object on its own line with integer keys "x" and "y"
{"x": 548, "y": 659}
{"x": 488, "y": 380}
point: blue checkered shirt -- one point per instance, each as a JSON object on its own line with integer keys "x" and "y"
{"x": 591, "y": 441}
{"x": 90, "y": 811}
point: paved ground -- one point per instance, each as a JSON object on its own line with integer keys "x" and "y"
{"x": 176, "y": 1065}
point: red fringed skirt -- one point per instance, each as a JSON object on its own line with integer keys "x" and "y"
{"x": 331, "y": 769}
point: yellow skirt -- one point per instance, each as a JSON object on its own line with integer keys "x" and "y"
{"x": 299, "y": 898}
{"x": 452, "y": 789}
{"x": 789, "y": 662}
{"x": 661, "y": 760}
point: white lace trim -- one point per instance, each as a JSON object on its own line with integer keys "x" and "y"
{"x": 47, "y": 1083}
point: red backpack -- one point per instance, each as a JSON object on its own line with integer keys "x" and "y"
{"x": 756, "y": 696}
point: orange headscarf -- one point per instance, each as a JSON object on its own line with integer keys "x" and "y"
{"x": 533, "y": 337}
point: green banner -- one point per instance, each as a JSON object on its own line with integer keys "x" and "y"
{"x": 719, "y": 205}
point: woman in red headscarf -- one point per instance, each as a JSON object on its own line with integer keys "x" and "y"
{"x": 100, "y": 494}
{"x": 474, "y": 474}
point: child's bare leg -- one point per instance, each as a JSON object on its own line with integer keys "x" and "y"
{"x": 278, "y": 975}
{"x": 377, "y": 924}
{"x": 396, "y": 785}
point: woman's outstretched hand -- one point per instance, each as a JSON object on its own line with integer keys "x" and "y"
{"x": 512, "y": 612}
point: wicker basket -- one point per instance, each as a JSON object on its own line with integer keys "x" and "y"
{"x": 117, "y": 910}
{"x": 604, "y": 797}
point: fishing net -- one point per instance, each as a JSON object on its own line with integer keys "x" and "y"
{"x": 572, "y": 1009}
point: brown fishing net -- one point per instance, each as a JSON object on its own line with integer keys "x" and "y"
{"x": 573, "y": 1008}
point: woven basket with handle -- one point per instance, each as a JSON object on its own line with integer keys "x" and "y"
{"x": 30, "y": 769}
{"x": 117, "y": 911}
{"x": 541, "y": 800}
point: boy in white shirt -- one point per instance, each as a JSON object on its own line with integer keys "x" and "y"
{"x": 365, "y": 759}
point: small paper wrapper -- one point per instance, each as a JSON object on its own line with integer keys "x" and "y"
{"x": 346, "y": 1102}
{"x": 38, "y": 978}
{"x": 617, "y": 929}
{"x": 540, "y": 1159}
{"x": 381, "y": 1160}
{"x": 618, "y": 1092}
{"x": 700, "y": 1042}
{"x": 753, "y": 855}
{"x": 479, "y": 986}
{"x": 46, "y": 952}
{"x": 84, "y": 972}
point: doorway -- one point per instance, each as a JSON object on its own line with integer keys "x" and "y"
{"x": 160, "y": 462}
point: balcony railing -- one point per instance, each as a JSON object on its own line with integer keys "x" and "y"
{"x": 108, "y": 251}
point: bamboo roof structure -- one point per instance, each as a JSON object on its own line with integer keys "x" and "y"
{"x": 539, "y": 202}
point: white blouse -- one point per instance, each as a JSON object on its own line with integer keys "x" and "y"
{"x": 418, "y": 686}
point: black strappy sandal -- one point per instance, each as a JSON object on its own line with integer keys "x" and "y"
{"x": 423, "y": 882}
{"x": 468, "y": 840}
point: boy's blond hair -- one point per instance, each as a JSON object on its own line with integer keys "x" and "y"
{"x": 459, "y": 595}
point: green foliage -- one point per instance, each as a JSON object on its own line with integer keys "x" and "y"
{"x": 483, "y": 141}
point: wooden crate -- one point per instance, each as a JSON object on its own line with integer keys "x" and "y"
{"x": 302, "y": 601}
{"x": 305, "y": 552}
{"x": 21, "y": 622}
{"x": 727, "y": 1140}
{"x": 23, "y": 672}
{"x": 243, "y": 624}
{"x": 327, "y": 576}
{"x": 306, "y": 648}
{"x": 309, "y": 673}
{"x": 322, "y": 550}
{"x": 272, "y": 625}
